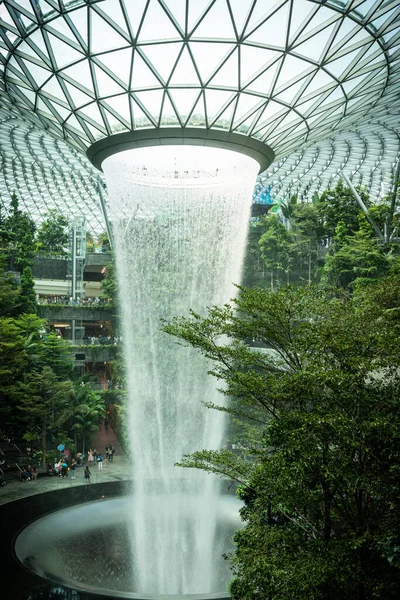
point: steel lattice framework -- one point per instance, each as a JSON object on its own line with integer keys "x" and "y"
{"x": 317, "y": 81}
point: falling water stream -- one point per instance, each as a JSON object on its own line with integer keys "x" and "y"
{"x": 180, "y": 217}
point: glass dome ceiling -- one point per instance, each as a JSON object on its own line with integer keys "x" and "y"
{"x": 285, "y": 72}
{"x": 302, "y": 76}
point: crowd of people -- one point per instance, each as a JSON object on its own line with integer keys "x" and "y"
{"x": 70, "y": 301}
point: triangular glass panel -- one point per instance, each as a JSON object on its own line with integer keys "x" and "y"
{"x": 91, "y": 111}
{"x": 168, "y": 116}
{"x": 240, "y": 10}
{"x": 195, "y": 10}
{"x": 350, "y": 85}
{"x": 357, "y": 38}
{"x": 215, "y": 101}
{"x": 120, "y": 104}
{"x": 151, "y": 102}
{"x": 140, "y": 118}
{"x": 119, "y": 63}
{"x": 261, "y": 11}
{"x": 115, "y": 124}
{"x": 252, "y": 60}
{"x": 78, "y": 97}
{"x": 79, "y": 19}
{"x": 184, "y": 100}
{"x": 162, "y": 57}
{"x": 60, "y": 26}
{"x": 208, "y": 56}
{"x": 319, "y": 82}
{"x": 106, "y": 85}
{"x": 315, "y": 46}
{"x": 272, "y": 32}
{"x": 225, "y": 119}
{"x": 322, "y": 17}
{"x": 63, "y": 53}
{"x": 185, "y": 73}
{"x": 272, "y": 111}
{"x": 81, "y": 74}
{"x": 53, "y": 88}
{"x": 228, "y": 74}
{"x": 157, "y": 25}
{"x": 264, "y": 82}
{"x": 42, "y": 108}
{"x": 198, "y": 118}
{"x": 292, "y": 70}
{"x": 135, "y": 12}
{"x": 103, "y": 36}
{"x": 217, "y": 24}
{"x": 112, "y": 8}
{"x": 63, "y": 112}
{"x": 38, "y": 74}
{"x": 178, "y": 10}
{"x": 142, "y": 75}
{"x": 339, "y": 66}
{"x": 301, "y": 11}
{"x": 246, "y": 103}
{"x": 37, "y": 38}
{"x": 289, "y": 94}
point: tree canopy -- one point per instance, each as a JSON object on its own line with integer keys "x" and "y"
{"x": 320, "y": 412}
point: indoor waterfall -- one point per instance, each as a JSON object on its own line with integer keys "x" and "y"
{"x": 180, "y": 216}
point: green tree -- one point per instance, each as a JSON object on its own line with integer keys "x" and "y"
{"x": 21, "y": 235}
{"x": 88, "y": 413}
{"x": 27, "y": 295}
{"x": 320, "y": 479}
{"x": 338, "y": 205}
{"x": 41, "y": 398}
{"x": 52, "y": 235}
{"x": 355, "y": 257}
{"x": 275, "y": 247}
{"x": 8, "y": 291}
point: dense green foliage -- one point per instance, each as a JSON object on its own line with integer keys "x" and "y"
{"x": 320, "y": 477}
{"x": 52, "y": 235}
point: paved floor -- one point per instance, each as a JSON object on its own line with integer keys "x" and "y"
{"x": 118, "y": 470}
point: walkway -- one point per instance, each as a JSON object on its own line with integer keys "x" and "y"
{"x": 118, "y": 470}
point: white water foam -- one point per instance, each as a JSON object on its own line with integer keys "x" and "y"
{"x": 180, "y": 218}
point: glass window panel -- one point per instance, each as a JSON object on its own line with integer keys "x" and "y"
{"x": 228, "y": 74}
{"x": 135, "y": 13}
{"x": 196, "y": 9}
{"x": 106, "y": 85}
{"x": 301, "y": 10}
{"x": 184, "y": 100}
{"x": 217, "y": 24}
{"x": 80, "y": 21}
{"x": 39, "y": 75}
{"x": 197, "y": 118}
{"x": 225, "y": 119}
{"x": 103, "y": 36}
{"x": 314, "y": 47}
{"x": 293, "y": 68}
{"x": 142, "y": 76}
{"x": 63, "y": 53}
{"x": 112, "y": 8}
{"x": 140, "y": 118}
{"x": 289, "y": 94}
{"x": 185, "y": 73}
{"x": 121, "y": 105}
{"x": 78, "y": 97}
{"x": 246, "y": 103}
{"x": 119, "y": 63}
{"x": 178, "y": 10}
{"x": 240, "y": 10}
{"x": 252, "y": 60}
{"x": 53, "y": 88}
{"x": 63, "y": 112}
{"x": 264, "y": 82}
{"x": 208, "y": 56}
{"x": 273, "y": 31}
{"x": 215, "y": 101}
{"x": 81, "y": 74}
{"x": 151, "y": 100}
{"x": 338, "y": 66}
{"x": 61, "y": 26}
{"x": 163, "y": 57}
{"x": 168, "y": 116}
{"x": 37, "y": 38}
{"x": 157, "y": 25}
